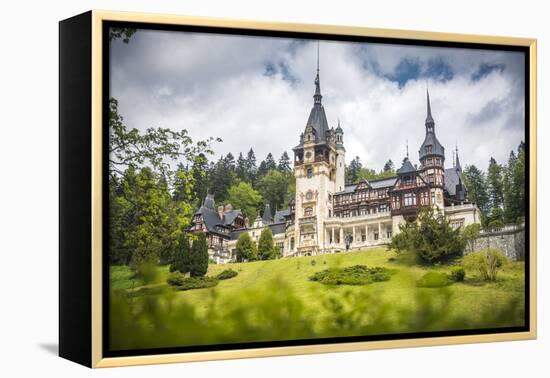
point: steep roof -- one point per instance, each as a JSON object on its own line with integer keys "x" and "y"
{"x": 430, "y": 139}
{"x": 317, "y": 118}
{"x": 266, "y": 216}
{"x": 406, "y": 167}
{"x": 280, "y": 215}
{"x": 453, "y": 178}
{"x": 374, "y": 184}
{"x": 211, "y": 217}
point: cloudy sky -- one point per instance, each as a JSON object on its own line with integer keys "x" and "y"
{"x": 257, "y": 92}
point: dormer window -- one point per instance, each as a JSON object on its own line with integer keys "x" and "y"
{"x": 428, "y": 149}
{"x": 309, "y": 172}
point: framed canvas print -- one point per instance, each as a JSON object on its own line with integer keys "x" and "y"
{"x": 235, "y": 189}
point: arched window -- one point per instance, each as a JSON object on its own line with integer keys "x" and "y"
{"x": 308, "y": 211}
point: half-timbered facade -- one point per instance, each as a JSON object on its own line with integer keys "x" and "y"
{"x": 327, "y": 215}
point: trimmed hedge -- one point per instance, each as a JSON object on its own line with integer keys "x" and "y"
{"x": 458, "y": 274}
{"x": 434, "y": 280}
{"x": 227, "y": 274}
{"x": 180, "y": 282}
{"x": 352, "y": 275}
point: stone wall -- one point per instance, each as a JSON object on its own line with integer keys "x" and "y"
{"x": 509, "y": 239}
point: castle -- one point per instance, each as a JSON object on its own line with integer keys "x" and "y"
{"x": 327, "y": 215}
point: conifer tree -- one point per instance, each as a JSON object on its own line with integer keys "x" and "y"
{"x": 198, "y": 258}
{"x": 476, "y": 183}
{"x": 266, "y": 248}
{"x": 284, "y": 163}
{"x": 182, "y": 256}
{"x": 251, "y": 168}
{"x": 240, "y": 168}
{"x": 495, "y": 184}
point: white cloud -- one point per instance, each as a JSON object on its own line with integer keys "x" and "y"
{"x": 216, "y": 85}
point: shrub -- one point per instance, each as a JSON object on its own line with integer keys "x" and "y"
{"x": 191, "y": 283}
{"x": 486, "y": 262}
{"x": 266, "y": 248}
{"x": 227, "y": 274}
{"x": 458, "y": 274}
{"x": 470, "y": 234}
{"x": 431, "y": 238}
{"x": 246, "y": 248}
{"x": 175, "y": 279}
{"x": 352, "y": 275}
{"x": 181, "y": 282}
{"x": 433, "y": 279}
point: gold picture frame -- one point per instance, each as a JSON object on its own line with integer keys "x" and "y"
{"x": 92, "y": 327}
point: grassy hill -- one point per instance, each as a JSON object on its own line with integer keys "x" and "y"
{"x": 280, "y": 289}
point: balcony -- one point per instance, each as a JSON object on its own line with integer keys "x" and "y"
{"x": 307, "y": 220}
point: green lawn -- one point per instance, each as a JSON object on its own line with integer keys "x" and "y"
{"x": 395, "y": 305}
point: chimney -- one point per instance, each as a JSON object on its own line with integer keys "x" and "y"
{"x": 220, "y": 212}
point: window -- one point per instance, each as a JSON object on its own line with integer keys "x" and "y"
{"x": 309, "y": 172}
{"x": 409, "y": 199}
{"x": 396, "y": 202}
{"x": 456, "y": 224}
{"x": 428, "y": 149}
{"x": 431, "y": 178}
{"x": 383, "y": 208}
{"x": 424, "y": 199}
{"x": 308, "y": 211}
{"x": 376, "y": 236}
{"x": 433, "y": 197}
{"x": 429, "y": 161}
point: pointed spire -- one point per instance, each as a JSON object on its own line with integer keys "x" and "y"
{"x": 457, "y": 162}
{"x": 429, "y": 118}
{"x": 317, "y": 96}
{"x": 407, "y": 146}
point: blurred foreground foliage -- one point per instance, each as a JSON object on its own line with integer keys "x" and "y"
{"x": 159, "y": 317}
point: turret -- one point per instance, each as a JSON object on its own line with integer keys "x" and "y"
{"x": 432, "y": 159}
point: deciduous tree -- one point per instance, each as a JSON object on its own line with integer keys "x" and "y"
{"x": 246, "y": 248}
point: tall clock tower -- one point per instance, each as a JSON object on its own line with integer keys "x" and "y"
{"x": 319, "y": 171}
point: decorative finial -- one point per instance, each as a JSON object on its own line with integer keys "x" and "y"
{"x": 407, "y": 146}
{"x": 429, "y": 119}
{"x": 457, "y": 160}
{"x": 318, "y": 56}
{"x": 454, "y": 159}
{"x": 317, "y": 96}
